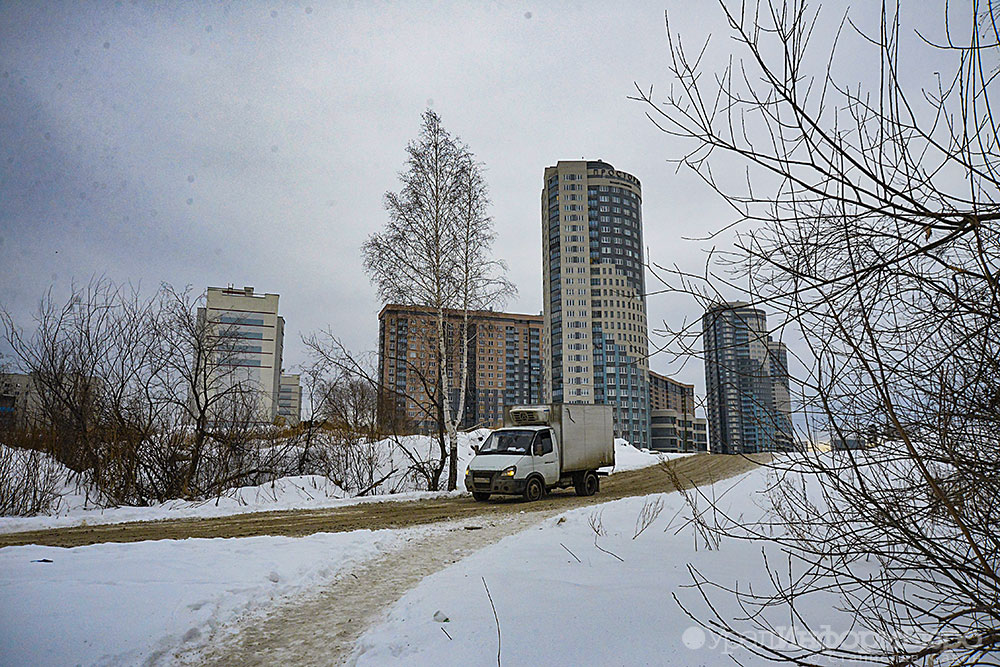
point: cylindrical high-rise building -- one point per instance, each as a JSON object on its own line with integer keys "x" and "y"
{"x": 595, "y": 334}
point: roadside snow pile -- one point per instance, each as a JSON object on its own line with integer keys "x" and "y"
{"x": 136, "y": 603}
{"x": 561, "y": 600}
{"x": 74, "y": 506}
{"x": 287, "y": 493}
{"x": 628, "y": 457}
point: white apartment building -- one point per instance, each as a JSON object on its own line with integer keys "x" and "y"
{"x": 254, "y": 359}
{"x": 19, "y": 399}
{"x": 290, "y": 399}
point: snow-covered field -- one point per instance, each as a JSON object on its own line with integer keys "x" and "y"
{"x": 137, "y": 603}
{"x": 301, "y": 492}
{"x": 560, "y": 600}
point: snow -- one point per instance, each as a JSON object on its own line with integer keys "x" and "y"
{"x": 76, "y": 508}
{"x": 133, "y": 603}
{"x": 560, "y": 600}
{"x": 628, "y": 457}
{"x": 556, "y": 610}
{"x": 141, "y": 602}
{"x": 287, "y": 493}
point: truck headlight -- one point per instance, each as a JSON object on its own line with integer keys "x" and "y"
{"x": 509, "y": 472}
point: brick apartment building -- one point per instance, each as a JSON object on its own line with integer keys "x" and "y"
{"x": 505, "y": 364}
{"x": 674, "y": 426}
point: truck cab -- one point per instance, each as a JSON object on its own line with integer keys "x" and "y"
{"x": 509, "y": 457}
{"x": 528, "y": 455}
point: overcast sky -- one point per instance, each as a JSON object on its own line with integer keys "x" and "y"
{"x": 251, "y": 143}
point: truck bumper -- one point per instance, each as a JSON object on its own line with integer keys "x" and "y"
{"x": 496, "y": 484}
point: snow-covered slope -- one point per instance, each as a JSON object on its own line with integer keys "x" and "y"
{"x": 126, "y": 604}
{"x": 133, "y": 603}
{"x": 301, "y": 492}
{"x": 560, "y": 600}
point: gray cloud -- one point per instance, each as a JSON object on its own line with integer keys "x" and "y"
{"x": 251, "y": 143}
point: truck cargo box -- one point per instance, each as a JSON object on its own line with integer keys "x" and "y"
{"x": 585, "y": 432}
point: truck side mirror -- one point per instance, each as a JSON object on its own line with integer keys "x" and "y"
{"x": 475, "y": 448}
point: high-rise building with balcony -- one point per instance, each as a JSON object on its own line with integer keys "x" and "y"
{"x": 746, "y": 378}
{"x": 505, "y": 366}
{"x": 593, "y": 291}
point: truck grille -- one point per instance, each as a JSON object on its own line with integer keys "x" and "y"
{"x": 482, "y": 480}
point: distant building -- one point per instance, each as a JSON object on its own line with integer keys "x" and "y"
{"x": 254, "y": 360}
{"x": 850, "y": 442}
{"x": 700, "y": 429}
{"x": 505, "y": 366}
{"x": 856, "y": 438}
{"x": 777, "y": 360}
{"x": 593, "y": 290}
{"x": 674, "y": 427}
{"x": 290, "y": 400}
{"x": 746, "y": 379}
{"x": 19, "y": 400}
{"x": 669, "y": 394}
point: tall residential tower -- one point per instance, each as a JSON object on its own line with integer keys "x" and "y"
{"x": 594, "y": 337}
{"x": 746, "y": 379}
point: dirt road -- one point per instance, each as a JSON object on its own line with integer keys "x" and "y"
{"x": 322, "y": 629}
{"x": 697, "y": 470}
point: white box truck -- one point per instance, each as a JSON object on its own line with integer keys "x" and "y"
{"x": 544, "y": 447}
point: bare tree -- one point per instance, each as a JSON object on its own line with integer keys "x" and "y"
{"x": 481, "y": 280}
{"x": 29, "y": 482}
{"x": 92, "y": 376}
{"x": 434, "y": 252}
{"x": 62, "y": 356}
{"x": 352, "y": 392}
{"x": 867, "y": 218}
{"x": 144, "y": 398}
{"x": 208, "y": 394}
{"x": 412, "y": 260}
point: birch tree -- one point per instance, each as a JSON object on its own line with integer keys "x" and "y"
{"x": 434, "y": 252}
{"x": 481, "y": 280}
{"x": 412, "y": 261}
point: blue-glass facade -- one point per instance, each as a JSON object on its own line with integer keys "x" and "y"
{"x": 746, "y": 380}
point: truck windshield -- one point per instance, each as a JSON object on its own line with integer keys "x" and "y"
{"x": 508, "y": 442}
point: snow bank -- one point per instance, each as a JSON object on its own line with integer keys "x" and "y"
{"x": 287, "y": 493}
{"x": 137, "y": 603}
{"x": 628, "y": 457}
{"x": 562, "y": 601}
{"x": 76, "y": 507}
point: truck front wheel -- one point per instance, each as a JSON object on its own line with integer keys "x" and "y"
{"x": 481, "y": 496}
{"x": 534, "y": 490}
